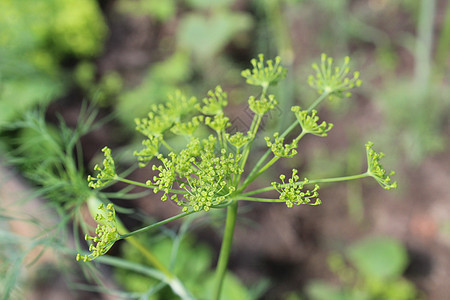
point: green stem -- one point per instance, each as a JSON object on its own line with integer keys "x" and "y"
{"x": 314, "y": 181}
{"x": 281, "y": 31}
{"x": 338, "y": 179}
{"x": 225, "y": 249}
{"x": 241, "y": 198}
{"x": 264, "y": 157}
{"x": 442, "y": 46}
{"x": 177, "y": 287}
{"x": 166, "y": 145}
{"x": 124, "y": 236}
{"x": 255, "y": 173}
{"x": 150, "y": 256}
{"x": 285, "y": 133}
{"x": 253, "y": 129}
{"x": 137, "y": 183}
{"x": 219, "y": 138}
{"x": 266, "y": 166}
{"x": 318, "y": 100}
{"x": 141, "y": 184}
{"x": 424, "y": 43}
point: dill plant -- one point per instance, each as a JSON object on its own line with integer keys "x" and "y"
{"x": 208, "y": 172}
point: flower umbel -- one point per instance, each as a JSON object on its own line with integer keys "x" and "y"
{"x": 309, "y": 122}
{"x": 238, "y": 139}
{"x": 333, "y": 81}
{"x": 279, "y": 148}
{"x": 106, "y": 233}
{"x": 214, "y": 104}
{"x": 218, "y": 122}
{"x": 264, "y": 76}
{"x": 291, "y": 192}
{"x": 376, "y": 170}
{"x": 187, "y": 128}
{"x": 151, "y": 150}
{"x": 263, "y": 105}
{"x": 163, "y": 116}
{"x": 106, "y": 175}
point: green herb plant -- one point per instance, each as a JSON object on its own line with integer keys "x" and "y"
{"x": 213, "y": 171}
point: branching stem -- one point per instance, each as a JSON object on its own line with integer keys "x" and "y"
{"x": 257, "y": 167}
{"x": 154, "y": 225}
{"x": 141, "y": 184}
{"x": 314, "y": 181}
{"x": 225, "y": 249}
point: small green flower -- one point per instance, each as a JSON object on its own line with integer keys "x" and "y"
{"x": 166, "y": 176}
{"x": 279, "y": 148}
{"x": 309, "y": 122}
{"x": 238, "y": 139}
{"x": 205, "y": 175}
{"x": 178, "y": 105}
{"x": 262, "y": 106}
{"x": 106, "y": 232}
{"x": 154, "y": 124}
{"x": 214, "y": 104}
{"x": 187, "y": 128}
{"x": 334, "y": 82}
{"x": 151, "y": 150}
{"x": 209, "y": 182}
{"x": 106, "y": 175}
{"x": 264, "y": 76}
{"x": 218, "y": 122}
{"x": 291, "y": 192}
{"x": 163, "y": 116}
{"x": 376, "y": 170}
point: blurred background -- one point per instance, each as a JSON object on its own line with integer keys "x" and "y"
{"x": 79, "y": 71}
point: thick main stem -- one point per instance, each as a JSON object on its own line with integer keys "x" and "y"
{"x": 225, "y": 249}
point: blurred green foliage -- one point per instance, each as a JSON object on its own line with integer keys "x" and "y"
{"x": 160, "y": 10}
{"x": 202, "y": 33}
{"x": 101, "y": 92}
{"x": 374, "y": 271}
{"x": 37, "y": 37}
{"x": 205, "y": 35}
{"x": 50, "y": 157}
{"x": 162, "y": 78}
